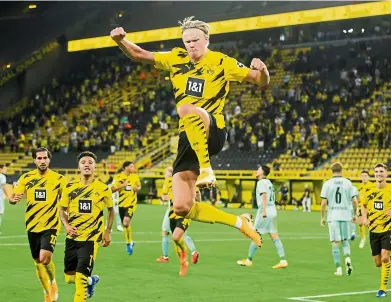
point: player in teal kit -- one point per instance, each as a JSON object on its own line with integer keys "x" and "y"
{"x": 265, "y": 222}
{"x": 338, "y": 194}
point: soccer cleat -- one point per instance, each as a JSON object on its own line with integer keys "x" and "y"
{"x": 130, "y": 248}
{"x": 183, "y": 264}
{"x": 162, "y": 259}
{"x": 54, "y": 292}
{"x": 206, "y": 178}
{"x": 91, "y": 288}
{"x": 47, "y": 298}
{"x": 244, "y": 262}
{"x": 352, "y": 237}
{"x": 120, "y": 228}
{"x": 362, "y": 243}
{"x": 349, "y": 267}
{"x": 281, "y": 264}
{"x": 248, "y": 230}
{"x": 381, "y": 293}
{"x": 339, "y": 271}
{"x": 195, "y": 257}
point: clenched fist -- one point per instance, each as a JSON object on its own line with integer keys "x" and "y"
{"x": 118, "y": 34}
{"x": 257, "y": 64}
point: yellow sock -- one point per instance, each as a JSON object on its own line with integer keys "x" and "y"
{"x": 80, "y": 287}
{"x": 128, "y": 234}
{"x": 43, "y": 277}
{"x": 385, "y": 273}
{"x": 362, "y": 231}
{"x": 51, "y": 270}
{"x": 180, "y": 248}
{"x": 69, "y": 278}
{"x": 197, "y": 136}
{"x": 204, "y": 212}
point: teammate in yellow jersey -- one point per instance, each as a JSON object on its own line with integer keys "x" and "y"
{"x": 363, "y": 188}
{"x": 43, "y": 188}
{"x": 81, "y": 210}
{"x": 376, "y": 213}
{"x": 127, "y": 183}
{"x": 177, "y": 226}
{"x": 201, "y": 80}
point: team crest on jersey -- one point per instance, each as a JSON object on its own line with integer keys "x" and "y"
{"x": 210, "y": 70}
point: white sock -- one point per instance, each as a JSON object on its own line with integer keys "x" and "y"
{"x": 238, "y": 223}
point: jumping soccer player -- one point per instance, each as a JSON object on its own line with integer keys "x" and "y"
{"x": 201, "y": 80}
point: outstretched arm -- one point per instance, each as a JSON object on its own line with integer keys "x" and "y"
{"x": 130, "y": 49}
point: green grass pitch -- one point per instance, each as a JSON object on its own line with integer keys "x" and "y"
{"x": 216, "y": 277}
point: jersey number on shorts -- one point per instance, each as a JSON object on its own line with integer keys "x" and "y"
{"x": 195, "y": 87}
{"x": 85, "y": 206}
{"x": 40, "y": 194}
{"x": 379, "y": 205}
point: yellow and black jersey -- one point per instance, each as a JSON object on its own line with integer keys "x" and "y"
{"x": 85, "y": 205}
{"x": 167, "y": 187}
{"x": 43, "y": 194}
{"x": 204, "y": 84}
{"x": 363, "y": 190}
{"x": 127, "y": 196}
{"x": 378, "y": 203}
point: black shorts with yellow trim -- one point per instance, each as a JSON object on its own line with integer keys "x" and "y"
{"x": 79, "y": 256}
{"x": 380, "y": 241}
{"x": 127, "y": 211}
{"x": 45, "y": 240}
{"x": 178, "y": 221}
{"x": 186, "y": 159}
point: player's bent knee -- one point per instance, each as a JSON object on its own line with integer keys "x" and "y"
{"x": 186, "y": 109}
{"x": 385, "y": 259}
{"x": 182, "y": 210}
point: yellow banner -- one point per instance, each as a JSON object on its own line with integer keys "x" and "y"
{"x": 34, "y": 57}
{"x": 245, "y": 24}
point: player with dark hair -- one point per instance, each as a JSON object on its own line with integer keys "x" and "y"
{"x": 376, "y": 215}
{"x": 266, "y": 218}
{"x": 43, "y": 188}
{"x": 81, "y": 211}
{"x": 127, "y": 184}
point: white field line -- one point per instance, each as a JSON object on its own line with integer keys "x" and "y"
{"x": 312, "y": 298}
{"x": 197, "y": 240}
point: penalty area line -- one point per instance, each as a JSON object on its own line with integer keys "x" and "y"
{"x": 312, "y": 298}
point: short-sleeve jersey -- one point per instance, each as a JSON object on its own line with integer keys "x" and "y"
{"x": 265, "y": 186}
{"x": 127, "y": 196}
{"x": 378, "y": 203}
{"x": 43, "y": 194}
{"x": 338, "y": 191}
{"x": 205, "y": 83}
{"x": 363, "y": 190}
{"x": 85, "y": 205}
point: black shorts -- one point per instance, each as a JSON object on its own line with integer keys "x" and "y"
{"x": 178, "y": 221}
{"x": 79, "y": 256}
{"x": 380, "y": 241}
{"x": 126, "y": 212}
{"x": 186, "y": 159}
{"x": 45, "y": 240}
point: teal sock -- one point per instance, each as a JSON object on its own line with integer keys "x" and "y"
{"x": 346, "y": 248}
{"x": 279, "y": 248}
{"x": 353, "y": 228}
{"x": 165, "y": 245}
{"x": 252, "y": 250}
{"x": 336, "y": 255}
{"x": 189, "y": 243}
